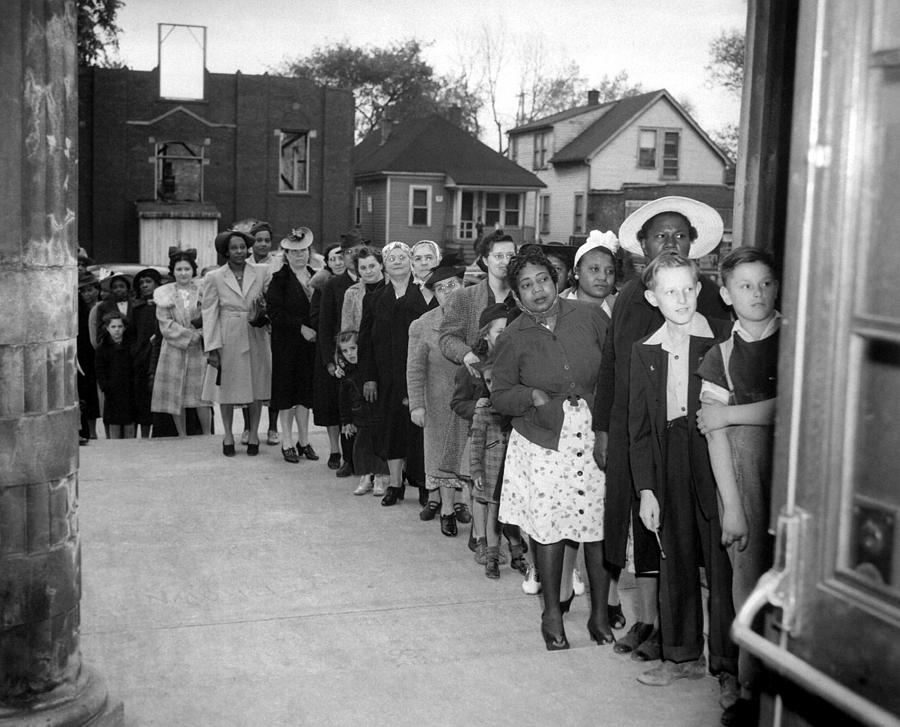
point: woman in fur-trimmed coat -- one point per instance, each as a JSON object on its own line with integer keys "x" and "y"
{"x": 178, "y": 379}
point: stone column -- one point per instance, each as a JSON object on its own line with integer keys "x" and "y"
{"x": 42, "y": 678}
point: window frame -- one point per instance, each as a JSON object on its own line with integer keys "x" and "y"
{"x": 544, "y": 214}
{"x": 540, "y": 151}
{"x": 505, "y": 209}
{"x": 641, "y": 131}
{"x": 158, "y": 161}
{"x": 357, "y": 201}
{"x": 282, "y": 134}
{"x": 664, "y": 157}
{"x": 413, "y": 188}
{"x": 578, "y": 226}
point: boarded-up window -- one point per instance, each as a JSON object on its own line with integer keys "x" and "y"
{"x": 293, "y": 168}
{"x": 179, "y": 171}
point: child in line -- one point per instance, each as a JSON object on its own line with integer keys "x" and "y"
{"x": 468, "y": 390}
{"x": 670, "y": 464}
{"x": 487, "y": 452}
{"x": 115, "y": 376}
{"x": 359, "y": 418}
{"x": 737, "y": 417}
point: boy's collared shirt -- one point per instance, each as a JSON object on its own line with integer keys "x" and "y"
{"x": 712, "y": 393}
{"x": 679, "y": 362}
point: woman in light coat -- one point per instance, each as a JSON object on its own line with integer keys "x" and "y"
{"x": 178, "y": 377}
{"x": 239, "y": 351}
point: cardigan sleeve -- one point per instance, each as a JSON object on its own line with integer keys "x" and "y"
{"x": 416, "y": 366}
{"x": 464, "y": 394}
{"x": 453, "y": 328}
{"x": 508, "y": 395}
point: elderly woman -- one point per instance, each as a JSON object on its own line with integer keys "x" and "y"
{"x": 430, "y": 385}
{"x": 370, "y": 271}
{"x": 178, "y": 379}
{"x": 289, "y": 298}
{"x": 545, "y": 374}
{"x": 239, "y": 351}
{"x": 383, "y": 335}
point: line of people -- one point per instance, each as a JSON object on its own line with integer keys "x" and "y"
{"x": 552, "y": 405}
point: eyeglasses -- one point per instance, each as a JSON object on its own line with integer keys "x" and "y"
{"x": 396, "y": 258}
{"x": 446, "y": 287}
{"x": 500, "y": 256}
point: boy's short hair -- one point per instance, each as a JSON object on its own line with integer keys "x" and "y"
{"x": 667, "y": 261}
{"x": 744, "y": 255}
{"x": 113, "y": 315}
{"x": 348, "y": 336}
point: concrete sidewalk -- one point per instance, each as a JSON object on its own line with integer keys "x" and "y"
{"x": 248, "y": 591}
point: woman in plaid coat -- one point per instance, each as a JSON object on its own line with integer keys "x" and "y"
{"x": 178, "y": 379}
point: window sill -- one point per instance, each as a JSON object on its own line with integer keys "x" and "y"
{"x": 293, "y": 194}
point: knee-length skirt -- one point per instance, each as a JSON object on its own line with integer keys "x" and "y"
{"x": 559, "y": 494}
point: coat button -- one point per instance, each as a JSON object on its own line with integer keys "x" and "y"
{"x": 578, "y": 435}
{"x": 579, "y": 473}
{"x": 580, "y": 492}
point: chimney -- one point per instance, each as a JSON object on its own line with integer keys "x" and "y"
{"x": 593, "y": 97}
{"x": 387, "y": 124}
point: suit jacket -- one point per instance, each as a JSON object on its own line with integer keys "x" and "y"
{"x": 647, "y": 420}
{"x": 329, "y": 323}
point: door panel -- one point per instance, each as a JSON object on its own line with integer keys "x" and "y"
{"x": 836, "y": 492}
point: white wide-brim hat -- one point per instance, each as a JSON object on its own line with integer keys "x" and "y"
{"x": 703, "y": 218}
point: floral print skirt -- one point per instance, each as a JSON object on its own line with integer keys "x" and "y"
{"x": 556, "y": 495}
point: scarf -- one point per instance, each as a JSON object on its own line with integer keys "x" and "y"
{"x": 546, "y": 318}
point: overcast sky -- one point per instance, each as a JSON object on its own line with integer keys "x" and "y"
{"x": 661, "y": 43}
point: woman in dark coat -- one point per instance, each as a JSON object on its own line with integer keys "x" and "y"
{"x": 145, "y": 333}
{"x": 326, "y": 410}
{"x": 88, "y": 292}
{"x": 383, "y": 337}
{"x": 288, "y": 300}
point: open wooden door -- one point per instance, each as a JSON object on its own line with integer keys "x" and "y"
{"x": 834, "y": 632}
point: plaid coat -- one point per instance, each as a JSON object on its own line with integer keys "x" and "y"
{"x": 488, "y": 448}
{"x": 178, "y": 379}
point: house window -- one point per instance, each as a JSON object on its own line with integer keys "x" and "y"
{"x": 578, "y": 226}
{"x": 357, "y": 205}
{"x": 179, "y": 171}
{"x": 511, "y": 210}
{"x": 541, "y": 146}
{"x": 419, "y": 206}
{"x": 671, "y": 143}
{"x": 491, "y": 209}
{"x": 647, "y": 149}
{"x": 293, "y": 168}
{"x": 514, "y": 148}
{"x": 544, "y": 214}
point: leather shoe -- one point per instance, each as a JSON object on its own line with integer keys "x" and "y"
{"x": 650, "y": 649}
{"x": 290, "y": 455}
{"x": 334, "y": 460}
{"x": 228, "y": 449}
{"x": 307, "y": 451}
{"x": 392, "y": 495}
{"x": 668, "y": 671}
{"x": 345, "y": 470}
{"x": 253, "y": 449}
{"x": 448, "y": 525}
{"x": 636, "y": 635}
{"x": 461, "y": 510}
{"x": 430, "y": 510}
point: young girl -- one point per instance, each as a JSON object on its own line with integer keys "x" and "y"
{"x": 359, "y": 419}
{"x": 490, "y": 435}
{"x": 467, "y": 394}
{"x": 115, "y": 376}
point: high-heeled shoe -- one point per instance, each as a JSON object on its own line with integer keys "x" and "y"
{"x": 253, "y": 449}
{"x": 615, "y": 616}
{"x": 564, "y": 606}
{"x": 392, "y": 495}
{"x": 599, "y": 637}
{"x": 228, "y": 449}
{"x": 552, "y": 641}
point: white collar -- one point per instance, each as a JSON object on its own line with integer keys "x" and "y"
{"x": 773, "y": 327}
{"x": 698, "y": 326}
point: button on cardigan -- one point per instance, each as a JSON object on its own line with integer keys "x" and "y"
{"x": 562, "y": 363}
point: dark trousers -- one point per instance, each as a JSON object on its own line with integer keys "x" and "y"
{"x": 691, "y": 542}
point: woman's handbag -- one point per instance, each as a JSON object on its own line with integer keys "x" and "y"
{"x": 257, "y": 317}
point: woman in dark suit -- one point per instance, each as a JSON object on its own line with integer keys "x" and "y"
{"x": 288, "y": 300}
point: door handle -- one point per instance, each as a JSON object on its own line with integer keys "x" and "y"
{"x": 778, "y": 588}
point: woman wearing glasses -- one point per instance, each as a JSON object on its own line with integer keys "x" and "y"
{"x": 382, "y": 361}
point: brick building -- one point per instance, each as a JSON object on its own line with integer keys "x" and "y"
{"x": 155, "y": 171}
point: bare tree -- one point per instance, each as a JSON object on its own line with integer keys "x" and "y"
{"x": 493, "y": 54}
{"x": 726, "y": 61}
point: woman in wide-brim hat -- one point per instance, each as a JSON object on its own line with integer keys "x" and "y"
{"x": 705, "y": 225}
{"x": 237, "y": 351}
{"x": 288, "y": 304}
